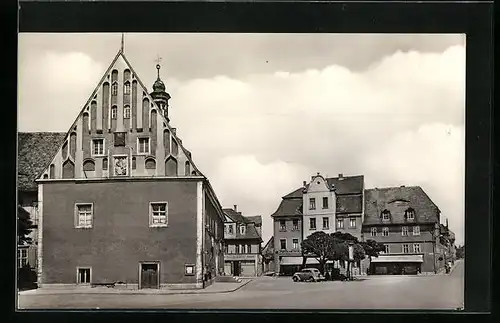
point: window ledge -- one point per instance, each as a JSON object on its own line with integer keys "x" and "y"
{"x": 158, "y": 225}
{"x": 83, "y": 227}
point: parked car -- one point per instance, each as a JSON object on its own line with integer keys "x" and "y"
{"x": 337, "y": 275}
{"x": 308, "y": 275}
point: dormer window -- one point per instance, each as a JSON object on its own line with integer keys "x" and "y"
{"x": 410, "y": 214}
{"x": 242, "y": 229}
{"x": 386, "y": 215}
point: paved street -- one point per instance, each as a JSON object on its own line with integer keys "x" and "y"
{"x": 374, "y": 292}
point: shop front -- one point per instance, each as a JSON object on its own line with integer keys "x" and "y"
{"x": 396, "y": 265}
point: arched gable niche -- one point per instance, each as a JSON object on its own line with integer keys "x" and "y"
{"x": 68, "y": 169}
{"x": 171, "y": 166}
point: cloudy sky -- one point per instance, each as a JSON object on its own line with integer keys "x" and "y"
{"x": 263, "y": 112}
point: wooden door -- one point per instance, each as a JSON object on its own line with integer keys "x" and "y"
{"x": 149, "y": 276}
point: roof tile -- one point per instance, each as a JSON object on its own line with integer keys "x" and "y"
{"x": 397, "y": 200}
{"x": 35, "y": 151}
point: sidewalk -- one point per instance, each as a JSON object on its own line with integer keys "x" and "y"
{"x": 215, "y": 288}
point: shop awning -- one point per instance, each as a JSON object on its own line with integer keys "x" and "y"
{"x": 398, "y": 258}
{"x": 298, "y": 261}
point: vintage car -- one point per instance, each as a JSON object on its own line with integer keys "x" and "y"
{"x": 308, "y": 275}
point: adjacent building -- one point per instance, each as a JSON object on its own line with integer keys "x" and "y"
{"x": 242, "y": 243}
{"x": 268, "y": 264}
{"x": 323, "y": 204}
{"x": 35, "y": 149}
{"x": 120, "y": 200}
{"x": 407, "y": 222}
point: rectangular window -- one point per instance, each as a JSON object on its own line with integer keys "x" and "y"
{"x": 114, "y": 89}
{"x": 114, "y": 112}
{"x": 119, "y": 139}
{"x": 120, "y": 165}
{"x": 416, "y": 247}
{"x": 312, "y": 224}
{"x": 312, "y": 204}
{"x": 226, "y": 248}
{"x": 326, "y": 223}
{"x": 283, "y": 244}
{"x": 158, "y": 214}
{"x": 386, "y": 248}
{"x": 325, "y": 202}
{"x": 22, "y": 257}
{"x": 83, "y": 275}
{"x": 249, "y": 248}
{"x": 295, "y": 244}
{"x": 406, "y": 248}
{"x": 126, "y": 89}
{"x": 225, "y": 229}
{"x": 143, "y": 145}
{"x": 410, "y": 215}
{"x": 84, "y": 215}
{"x": 98, "y": 147}
{"x": 404, "y": 231}
{"x": 282, "y": 225}
{"x": 126, "y": 112}
{"x": 386, "y": 216}
{"x": 352, "y": 222}
{"x": 340, "y": 223}
{"x": 373, "y": 232}
{"x": 416, "y": 230}
{"x": 385, "y": 232}
{"x": 295, "y": 225}
{"x": 237, "y": 248}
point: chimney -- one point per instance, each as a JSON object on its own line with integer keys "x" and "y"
{"x": 341, "y": 177}
{"x": 174, "y": 130}
{"x": 235, "y": 208}
{"x": 304, "y": 183}
{"x": 446, "y": 223}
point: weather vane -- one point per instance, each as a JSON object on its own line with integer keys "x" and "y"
{"x": 158, "y": 61}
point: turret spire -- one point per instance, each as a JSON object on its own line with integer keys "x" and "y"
{"x": 159, "y": 94}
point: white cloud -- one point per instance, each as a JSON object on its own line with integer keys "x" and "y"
{"x": 258, "y": 137}
{"x": 54, "y": 87}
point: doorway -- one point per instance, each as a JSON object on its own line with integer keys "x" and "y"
{"x": 149, "y": 275}
{"x": 236, "y": 268}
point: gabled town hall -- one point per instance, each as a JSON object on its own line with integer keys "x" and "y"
{"x": 122, "y": 201}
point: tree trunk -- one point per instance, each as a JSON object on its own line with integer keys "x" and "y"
{"x": 349, "y": 269}
{"x": 322, "y": 264}
{"x": 304, "y": 260}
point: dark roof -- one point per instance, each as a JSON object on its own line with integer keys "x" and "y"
{"x": 235, "y": 216}
{"x": 289, "y": 207}
{"x": 35, "y": 151}
{"x": 239, "y": 218}
{"x": 349, "y": 204}
{"x": 250, "y": 221}
{"x": 344, "y": 185}
{"x": 397, "y": 200}
{"x": 257, "y": 219}
{"x": 268, "y": 249}
{"x": 250, "y": 233}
